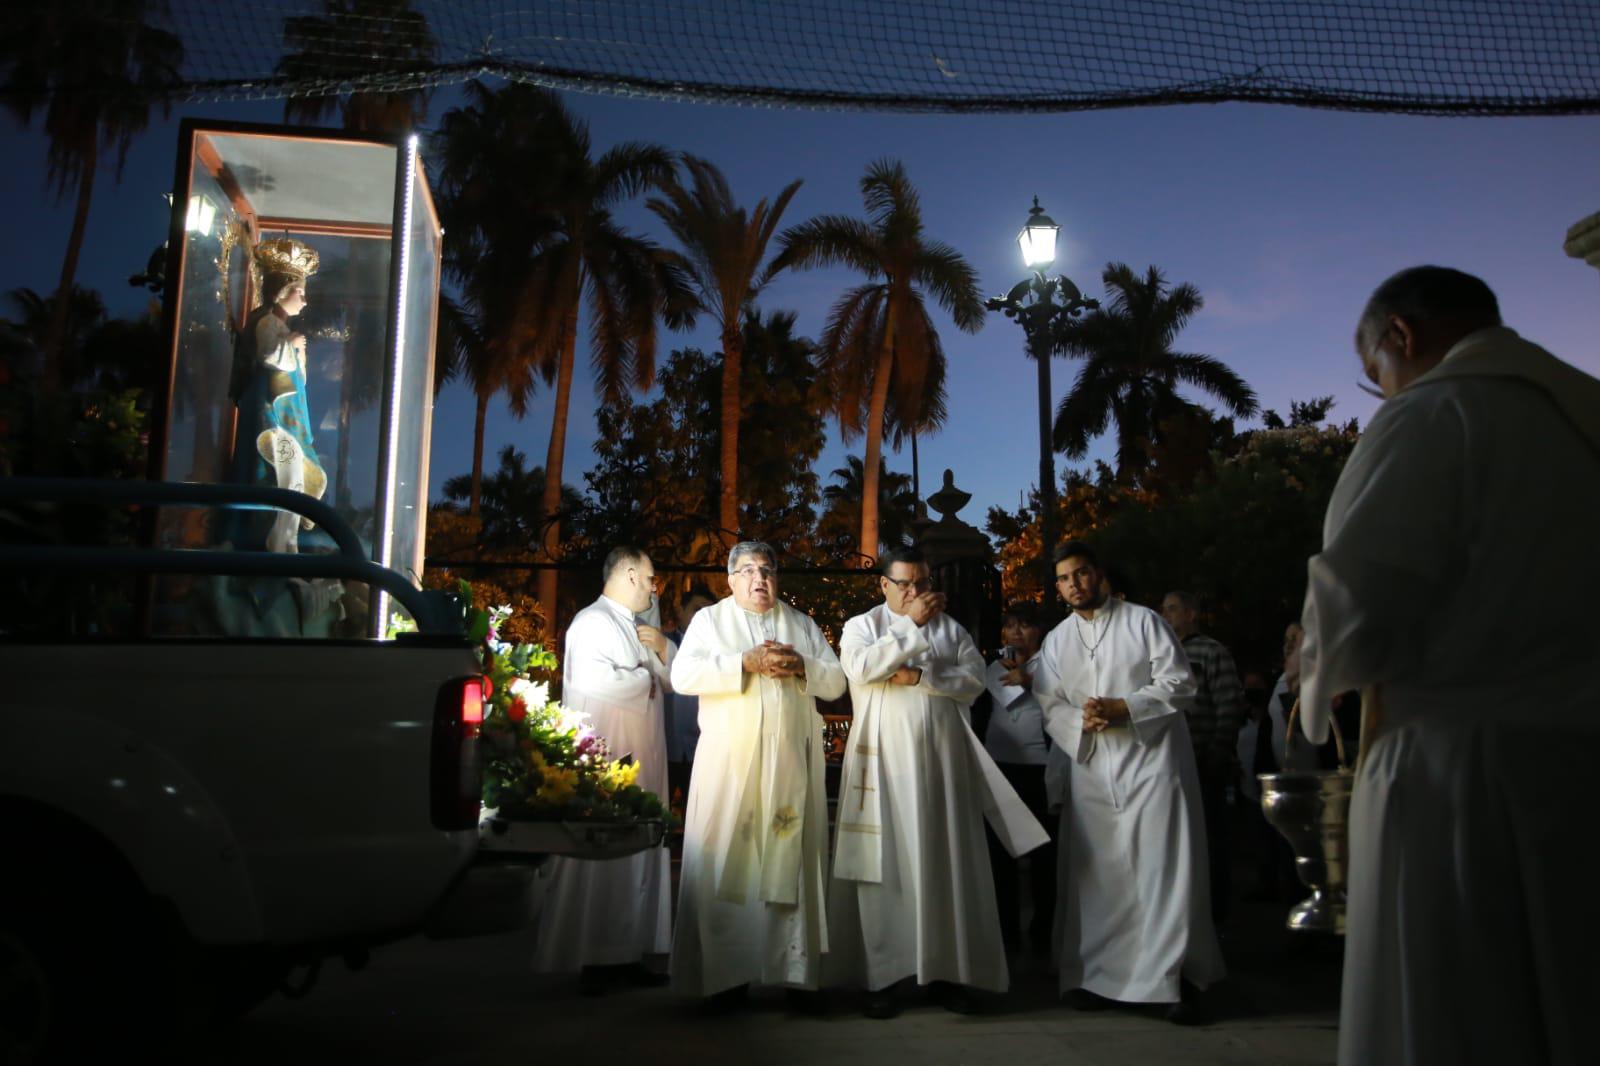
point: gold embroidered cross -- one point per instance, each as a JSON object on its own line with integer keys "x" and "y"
{"x": 864, "y": 788}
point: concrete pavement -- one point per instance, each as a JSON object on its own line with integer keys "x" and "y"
{"x": 462, "y": 1003}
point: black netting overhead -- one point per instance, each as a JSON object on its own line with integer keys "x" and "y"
{"x": 1421, "y": 56}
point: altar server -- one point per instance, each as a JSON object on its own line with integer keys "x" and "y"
{"x": 751, "y": 889}
{"x": 912, "y": 896}
{"x": 604, "y": 917}
{"x": 1134, "y": 919}
{"x": 1456, "y": 585}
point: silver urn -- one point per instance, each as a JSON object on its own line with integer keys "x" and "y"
{"x": 1311, "y": 808}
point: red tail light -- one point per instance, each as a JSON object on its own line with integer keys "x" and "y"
{"x": 472, "y": 696}
{"x": 456, "y": 777}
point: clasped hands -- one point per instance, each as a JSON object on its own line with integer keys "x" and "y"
{"x": 774, "y": 659}
{"x": 1102, "y": 712}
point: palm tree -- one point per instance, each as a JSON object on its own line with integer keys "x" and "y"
{"x": 896, "y": 503}
{"x": 482, "y": 156}
{"x": 536, "y": 253}
{"x": 464, "y": 353}
{"x": 512, "y": 501}
{"x": 880, "y": 350}
{"x": 357, "y": 43}
{"x": 34, "y": 316}
{"x": 93, "y": 67}
{"x": 724, "y": 246}
{"x": 1131, "y": 374}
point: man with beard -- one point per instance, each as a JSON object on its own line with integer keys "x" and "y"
{"x": 1134, "y": 919}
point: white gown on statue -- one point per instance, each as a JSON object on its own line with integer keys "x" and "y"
{"x": 912, "y": 893}
{"x": 615, "y": 911}
{"x": 1135, "y": 908}
{"x": 1459, "y": 572}
{"x": 751, "y": 888}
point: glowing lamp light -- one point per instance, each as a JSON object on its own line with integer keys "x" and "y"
{"x": 202, "y": 213}
{"x": 1038, "y": 238}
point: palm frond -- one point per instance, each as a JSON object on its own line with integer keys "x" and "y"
{"x": 1085, "y": 411}
{"x": 628, "y": 169}
{"x": 953, "y": 282}
{"x": 1217, "y": 378}
{"x": 829, "y": 240}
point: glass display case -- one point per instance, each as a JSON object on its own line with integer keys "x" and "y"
{"x": 302, "y": 299}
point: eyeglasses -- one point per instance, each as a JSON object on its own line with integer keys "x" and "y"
{"x": 748, "y": 572}
{"x": 1369, "y": 390}
{"x": 917, "y": 584}
{"x": 655, "y": 582}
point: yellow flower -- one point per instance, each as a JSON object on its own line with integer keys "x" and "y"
{"x": 619, "y": 776}
{"x": 558, "y": 786}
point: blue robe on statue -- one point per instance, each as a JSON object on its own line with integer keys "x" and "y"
{"x": 272, "y": 443}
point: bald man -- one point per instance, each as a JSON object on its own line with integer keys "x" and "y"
{"x": 1455, "y": 586}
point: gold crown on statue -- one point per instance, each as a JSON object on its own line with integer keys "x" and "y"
{"x": 285, "y": 255}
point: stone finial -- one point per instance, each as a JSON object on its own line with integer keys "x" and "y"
{"x": 1583, "y": 240}
{"x": 949, "y": 499}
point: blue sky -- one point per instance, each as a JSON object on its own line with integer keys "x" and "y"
{"x": 1284, "y": 218}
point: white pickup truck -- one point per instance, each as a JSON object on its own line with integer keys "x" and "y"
{"x": 196, "y": 820}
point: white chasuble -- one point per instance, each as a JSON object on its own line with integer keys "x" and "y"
{"x": 1134, "y": 914}
{"x": 912, "y": 894}
{"x": 750, "y": 892}
{"x": 1458, "y": 574}
{"x": 618, "y": 910}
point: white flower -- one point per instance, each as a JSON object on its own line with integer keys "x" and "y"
{"x": 570, "y": 721}
{"x": 534, "y": 693}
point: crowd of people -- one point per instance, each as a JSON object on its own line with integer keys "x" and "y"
{"x": 1448, "y": 594}
{"x": 1088, "y": 763}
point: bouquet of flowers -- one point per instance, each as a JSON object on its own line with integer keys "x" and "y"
{"x": 542, "y": 760}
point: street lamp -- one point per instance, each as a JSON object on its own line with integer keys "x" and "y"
{"x": 1038, "y": 239}
{"x": 1033, "y": 303}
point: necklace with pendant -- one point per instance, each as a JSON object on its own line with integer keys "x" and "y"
{"x": 1077, "y": 627}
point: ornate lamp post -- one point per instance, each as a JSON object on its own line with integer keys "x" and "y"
{"x": 1034, "y": 303}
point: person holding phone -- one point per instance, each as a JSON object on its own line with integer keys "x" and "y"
{"x": 1017, "y": 742}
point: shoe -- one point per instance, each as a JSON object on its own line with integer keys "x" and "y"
{"x": 641, "y": 976}
{"x": 1083, "y": 999}
{"x": 727, "y": 1001}
{"x": 881, "y": 1004}
{"x": 811, "y": 1002}
{"x": 957, "y": 999}
{"x": 1187, "y": 1011}
{"x": 1181, "y": 1013}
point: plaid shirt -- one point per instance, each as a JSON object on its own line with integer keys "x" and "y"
{"x": 1218, "y": 710}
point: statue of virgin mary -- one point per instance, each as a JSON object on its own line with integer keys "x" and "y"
{"x": 272, "y": 445}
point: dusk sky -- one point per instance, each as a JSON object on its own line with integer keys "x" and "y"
{"x": 1284, "y": 218}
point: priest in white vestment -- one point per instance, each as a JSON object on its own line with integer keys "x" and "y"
{"x": 1133, "y": 924}
{"x": 1456, "y": 586}
{"x": 912, "y": 895}
{"x": 752, "y": 884}
{"x": 602, "y": 918}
